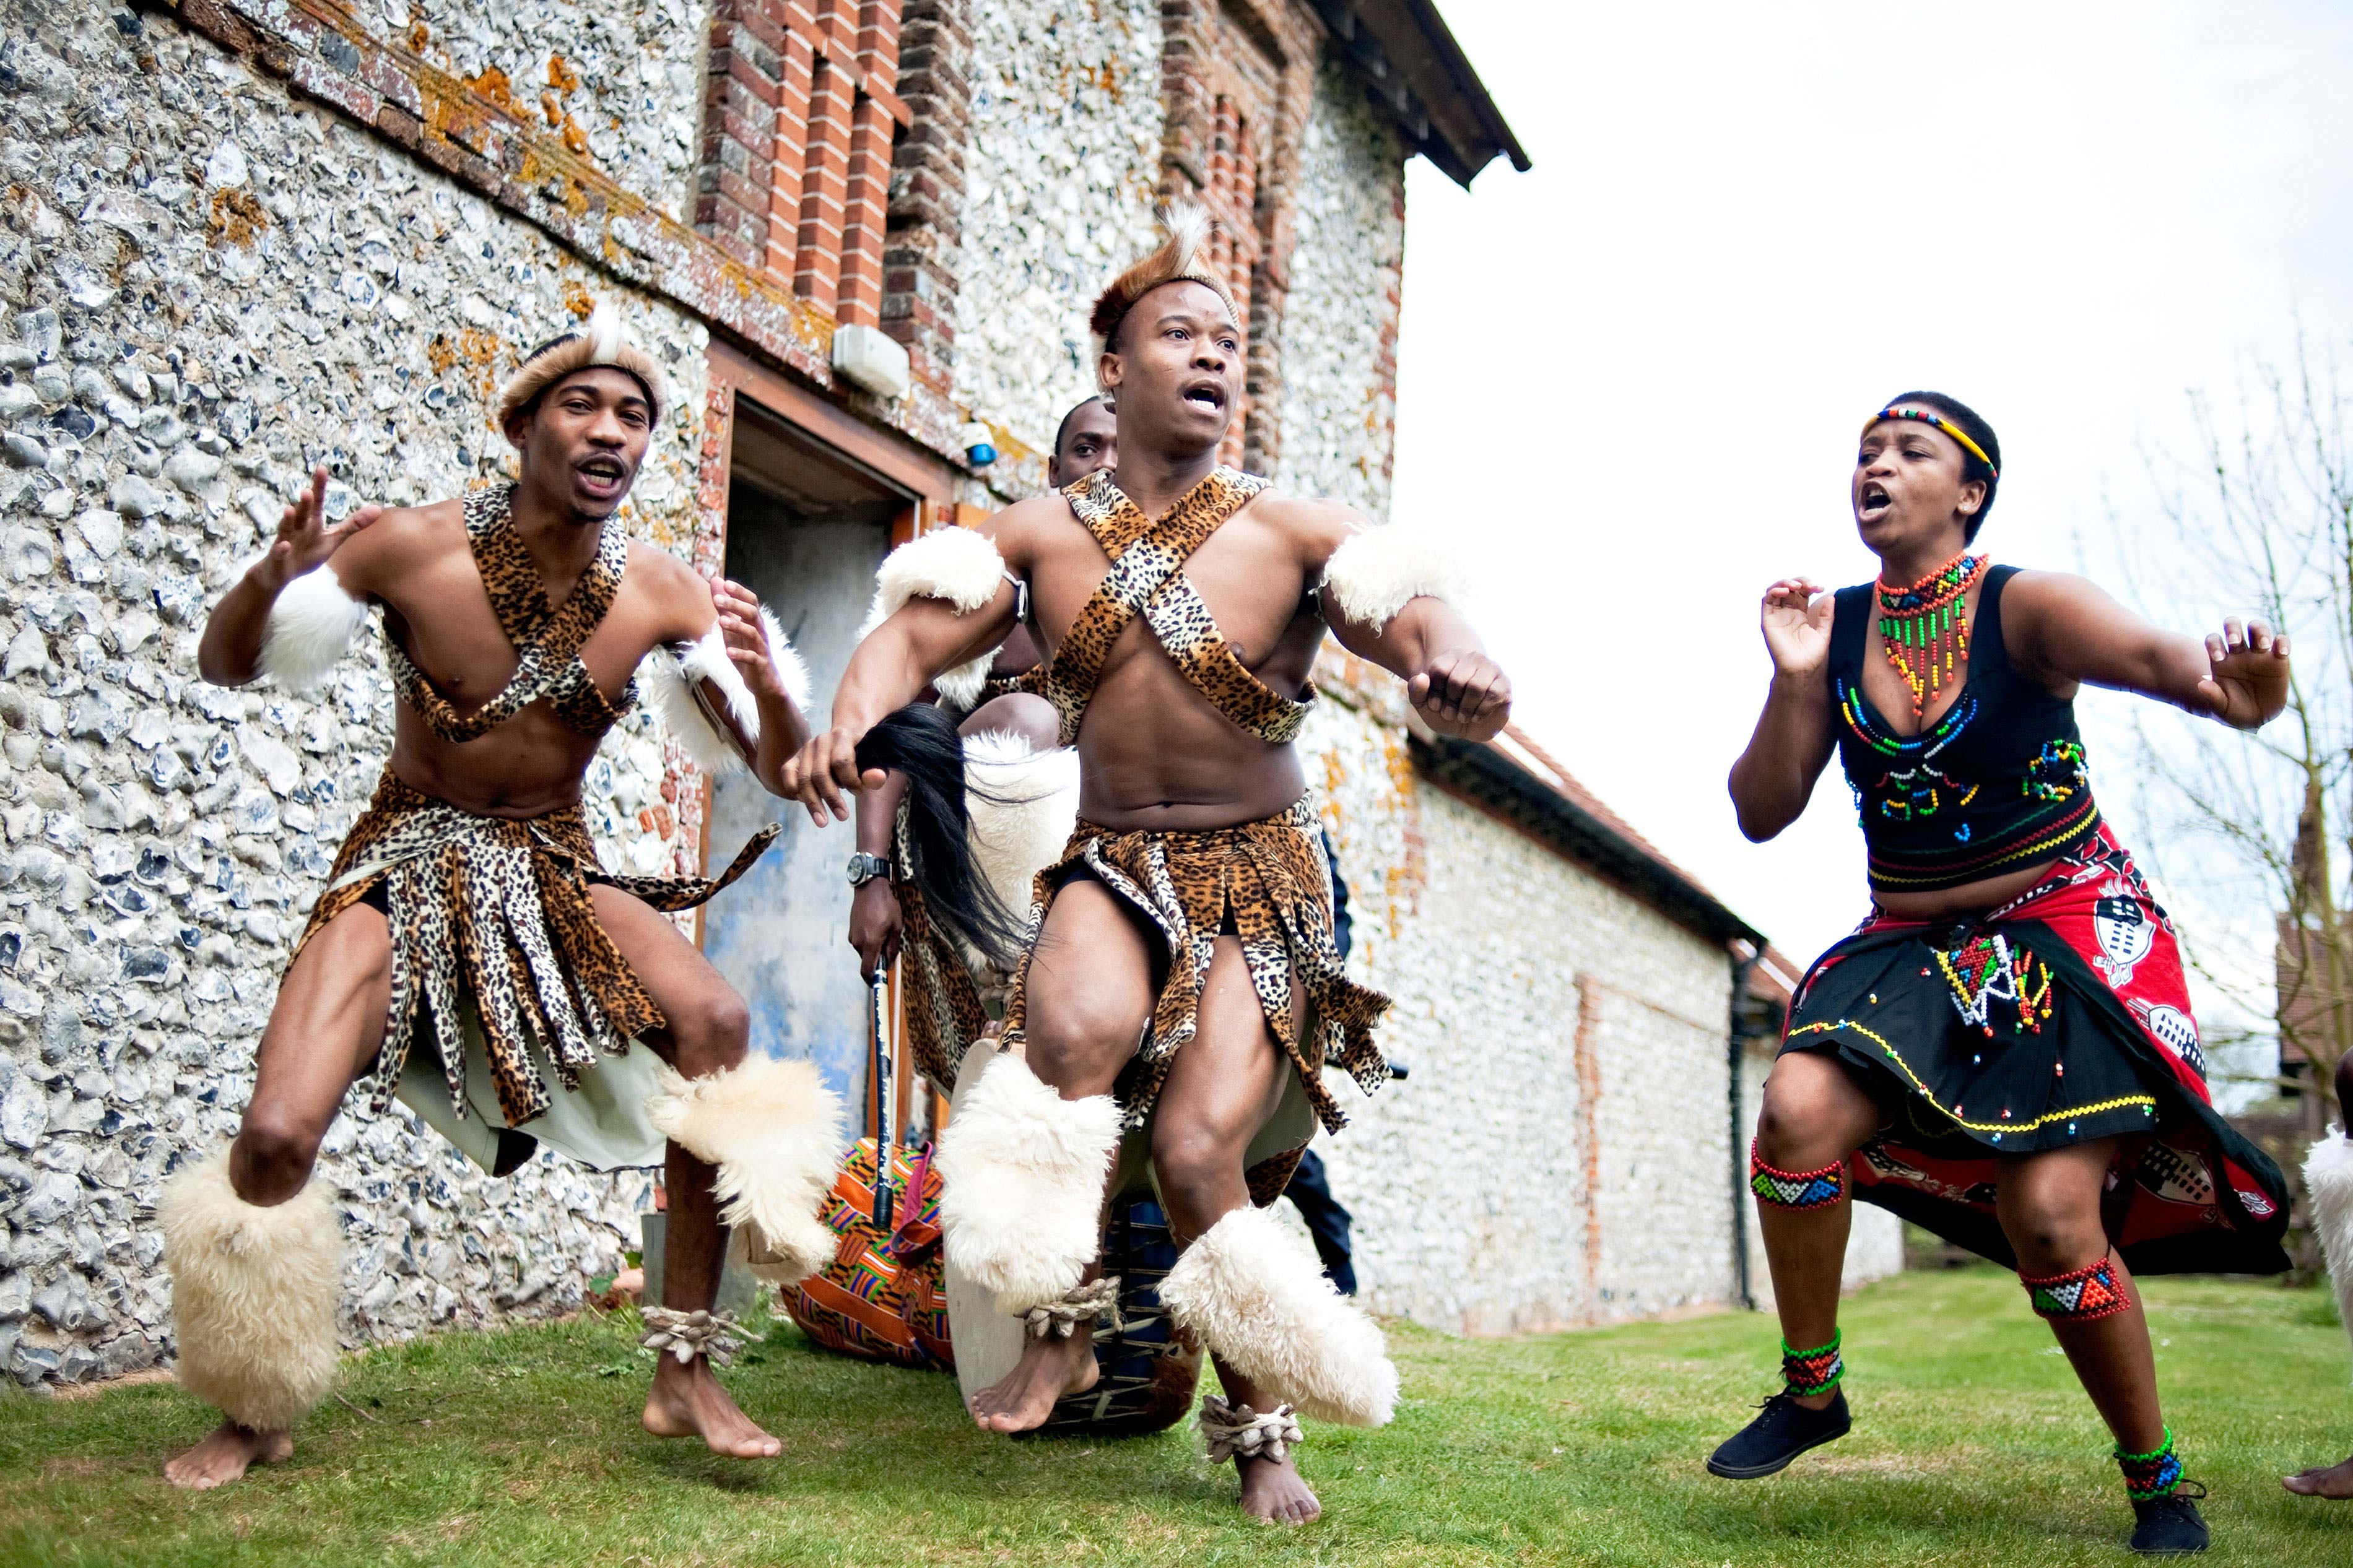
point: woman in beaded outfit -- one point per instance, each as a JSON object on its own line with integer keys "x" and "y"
{"x": 2003, "y": 1051}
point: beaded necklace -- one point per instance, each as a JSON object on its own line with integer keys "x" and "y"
{"x": 1925, "y": 627}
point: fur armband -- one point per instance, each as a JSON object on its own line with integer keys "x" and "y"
{"x": 675, "y": 685}
{"x": 310, "y": 626}
{"x": 954, "y": 564}
{"x": 1376, "y": 572}
{"x": 2328, "y": 1179}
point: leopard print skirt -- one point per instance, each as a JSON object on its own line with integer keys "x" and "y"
{"x": 495, "y": 912}
{"x": 1266, "y": 883}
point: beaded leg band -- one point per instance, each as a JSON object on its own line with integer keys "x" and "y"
{"x": 1815, "y": 1371}
{"x": 2153, "y": 1475}
{"x": 1237, "y": 1432}
{"x": 1794, "y": 1189}
{"x": 689, "y": 1334}
{"x": 1090, "y": 1304}
{"x": 2084, "y": 1296}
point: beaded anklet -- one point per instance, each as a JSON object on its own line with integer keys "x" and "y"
{"x": 1780, "y": 1189}
{"x": 2083, "y": 1296}
{"x": 1813, "y": 1372}
{"x": 2153, "y": 1475}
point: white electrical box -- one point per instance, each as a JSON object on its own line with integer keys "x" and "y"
{"x": 873, "y": 359}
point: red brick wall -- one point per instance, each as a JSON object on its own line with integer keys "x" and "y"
{"x": 800, "y": 111}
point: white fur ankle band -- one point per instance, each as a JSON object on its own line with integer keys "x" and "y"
{"x": 310, "y": 626}
{"x": 254, "y": 1292}
{"x": 775, "y": 1133}
{"x": 1257, "y": 1296}
{"x": 954, "y": 564}
{"x": 674, "y": 680}
{"x": 1021, "y": 1176}
{"x": 2328, "y": 1179}
{"x": 1376, "y": 572}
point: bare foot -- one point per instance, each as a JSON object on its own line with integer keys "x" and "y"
{"x": 686, "y": 1401}
{"x": 223, "y": 1456}
{"x": 1024, "y": 1397}
{"x": 1272, "y": 1490}
{"x": 2323, "y": 1481}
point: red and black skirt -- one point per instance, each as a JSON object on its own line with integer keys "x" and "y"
{"x": 2060, "y": 1018}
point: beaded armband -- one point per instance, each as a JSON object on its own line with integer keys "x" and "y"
{"x": 1795, "y": 1189}
{"x": 2153, "y": 1475}
{"x": 2084, "y": 1296}
{"x": 1815, "y": 1371}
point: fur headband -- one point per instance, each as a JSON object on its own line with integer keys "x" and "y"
{"x": 601, "y": 343}
{"x": 1183, "y": 257}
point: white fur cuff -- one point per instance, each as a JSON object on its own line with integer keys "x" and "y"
{"x": 955, "y": 564}
{"x": 674, "y": 678}
{"x": 2328, "y": 1180}
{"x": 1376, "y": 572}
{"x": 1021, "y": 1184}
{"x": 254, "y": 1290}
{"x": 312, "y": 624}
{"x": 775, "y": 1131}
{"x": 1256, "y": 1296}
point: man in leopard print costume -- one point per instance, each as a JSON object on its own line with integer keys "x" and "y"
{"x": 469, "y": 947}
{"x": 1180, "y": 982}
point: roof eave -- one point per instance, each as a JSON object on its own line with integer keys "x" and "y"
{"x": 1410, "y": 64}
{"x": 1494, "y": 780}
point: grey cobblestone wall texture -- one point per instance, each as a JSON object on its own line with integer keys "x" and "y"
{"x": 1060, "y": 182}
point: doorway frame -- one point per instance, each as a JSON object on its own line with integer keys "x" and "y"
{"x": 733, "y": 378}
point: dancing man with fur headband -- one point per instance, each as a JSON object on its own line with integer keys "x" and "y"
{"x": 469, "y": 946}
{"x": 1179, "y": 980}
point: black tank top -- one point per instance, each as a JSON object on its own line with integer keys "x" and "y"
{"x": 1996, "y": 785}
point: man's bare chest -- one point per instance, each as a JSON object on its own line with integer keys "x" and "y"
{"x": 442, "y": 616}
{"x": 1243, "y": 582}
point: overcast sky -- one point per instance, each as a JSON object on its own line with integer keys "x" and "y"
{"x": 1631, "y": 379}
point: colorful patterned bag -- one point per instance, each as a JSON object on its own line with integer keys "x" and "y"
{"x": 881, "y": 1298}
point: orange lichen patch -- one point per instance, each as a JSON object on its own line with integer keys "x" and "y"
{"x": 574, "y": 139}
{"x": 439, "y": 355}
{"x": 493, "y": 85}
{"x": 576, "y": 298}
{"x": 553, "y": 108}
{"x": 560, "y": 74}
{"x": 419, "y": 36}
{"x": 237, "y": 217}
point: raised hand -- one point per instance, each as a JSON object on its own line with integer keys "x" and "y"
{"x": 2248, "y": 685}
{"x": 1466, "y": 695}
{"x": 746, "y": 636}
{"x": 305, "y": 538}
{"x": 1796, "y": 621}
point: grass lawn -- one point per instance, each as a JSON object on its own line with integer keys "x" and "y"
{"x": 1972, "y": 1445}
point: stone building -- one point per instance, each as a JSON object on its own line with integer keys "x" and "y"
{"x": 240, "y": 237}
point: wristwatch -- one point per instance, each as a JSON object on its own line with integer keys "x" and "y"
{"x": 865, "y": 868}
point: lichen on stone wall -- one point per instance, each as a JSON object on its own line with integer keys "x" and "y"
{"x": 1339, "y": 334}
{"x": 209, "y": 289}
{"x": 620, "y": 81}
{"x": 1064, "y": 161}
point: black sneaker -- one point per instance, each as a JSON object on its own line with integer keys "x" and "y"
{"x": 2169, "y": 1526}
{"x": 1783, "y": 1430}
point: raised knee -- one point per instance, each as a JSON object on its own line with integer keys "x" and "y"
{"x": 1190, "y": 1158}
{"x": 713, "y": 1034}
{"x": 275, "y": 1153}
{"x": 1068, "y": 1044}
{"x": 1792, "y": 1126}
{"x": 2051, "y": 1237}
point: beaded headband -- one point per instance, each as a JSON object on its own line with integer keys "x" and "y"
{"x": 1930, "y": 416}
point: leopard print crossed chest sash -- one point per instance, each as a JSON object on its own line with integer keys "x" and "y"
{"x": 1148, "y": 578}
{"x": 547, "y": 641}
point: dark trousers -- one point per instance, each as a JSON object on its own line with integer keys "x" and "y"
{"x": 1327, "y": 1222}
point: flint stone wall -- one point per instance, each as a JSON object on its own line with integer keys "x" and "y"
{"x": 1340, "y": 320}
{"x": 1060, "y": 179}
{"x": 209, "y": 289}
{"x": 1559, "y": 1153}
